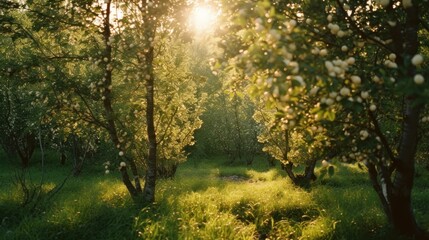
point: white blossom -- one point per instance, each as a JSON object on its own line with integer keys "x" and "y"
{"x": 345, "y": 91}
{"x": 390, "y": 64}
{"x": 391, "y": 23}
{"x": 341, "y": 34}
{"x": 300, "y": 80}
{"x": 333, "y": 94}
{"x": 417, "y": 60}
{"x": 346, "y": 7}
{"x": 419, "y": 79}
{"x": 325, "y": 163}
{"x": 376, "y": 79}
{"x": 363, "y": 134}
{"x": 356, "y": 79}
{"x": 351, "y": 60}
{"x": 334, "y": 28}
{"x": 314, "y": 90}
{"x": 315, "y": 51}
{"x": 329, "y": 65}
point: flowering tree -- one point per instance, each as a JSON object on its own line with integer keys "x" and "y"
{"x": 121, "y": 67}
{"x": 161, "y": 82}
{"x": 361, "y": 61}
{"x": 20, "y": 84}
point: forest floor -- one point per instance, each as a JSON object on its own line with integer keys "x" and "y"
{"x": 207, "y": 199}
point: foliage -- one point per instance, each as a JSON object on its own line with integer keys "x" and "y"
{"x": 353, "y": 68}
{"x": 102, "y": 63}
{"x": 228, "y": 128}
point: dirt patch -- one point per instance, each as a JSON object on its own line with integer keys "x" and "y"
{"x": 234, "y": 178}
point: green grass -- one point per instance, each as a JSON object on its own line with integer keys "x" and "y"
{"x": 203, "y": 201}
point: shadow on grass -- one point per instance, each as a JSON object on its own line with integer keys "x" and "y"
{"x": 349, "y": 199}
{"x": 99, "y": 222}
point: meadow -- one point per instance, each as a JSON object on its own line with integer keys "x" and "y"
{"x": 207, "y": 199}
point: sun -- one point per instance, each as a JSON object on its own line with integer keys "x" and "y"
{"x": 202, "y": 18}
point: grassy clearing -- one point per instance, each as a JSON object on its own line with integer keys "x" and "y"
{"x": 206, "y": 200}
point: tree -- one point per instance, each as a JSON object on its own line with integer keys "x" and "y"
{"x": 122, "y": 68}
{"x": 296, "y": 146}
{"x": 228, "y": 127}
{"x": 357, "y": 58}
{"x": 143, "y": 82}
{"x": 20, "y": 84}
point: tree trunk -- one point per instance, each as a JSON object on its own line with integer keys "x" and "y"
{"x": 25, "y": 147}
{"x": 403, "y": 219}
{"x": 149, "y": 187}
{"x": 238, "y": 140}
{"x": 63, "y": 157}
{"x": 309, "y": 171}
{"x": 134, "y": 190}
{"x": 288, "y": 168}
{"x": 395, "y": 195}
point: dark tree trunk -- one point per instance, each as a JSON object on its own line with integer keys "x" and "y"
{"x": 402, "y": 214}
{"x": 395, "y": 193}
{"x": 403, "y": 219}
{"x": 150, "y": 183}
{"x": 134, "y": 190}
{"x": 288, "y": 167}
{"x": 309, "y": 171}
{"x": 63, "y": 158}
{"x": 302, "y": 180}
{"x": 25, "y": 147}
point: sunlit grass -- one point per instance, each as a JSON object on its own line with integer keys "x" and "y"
{"x": 206, "y": 201}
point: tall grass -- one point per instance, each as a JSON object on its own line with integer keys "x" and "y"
{"x": 206, "y": 200}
